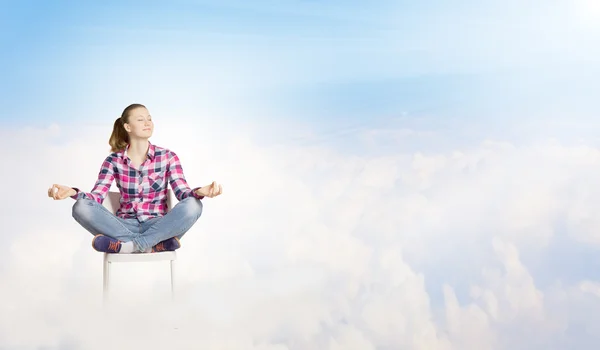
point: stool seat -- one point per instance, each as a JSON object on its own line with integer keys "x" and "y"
{"x": 141, "y": 257}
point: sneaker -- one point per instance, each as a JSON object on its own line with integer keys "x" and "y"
{"x": 106, "y": 244}
{"x": 167, "y": 245}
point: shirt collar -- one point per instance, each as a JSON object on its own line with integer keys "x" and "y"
{"x": 151, "y": 151}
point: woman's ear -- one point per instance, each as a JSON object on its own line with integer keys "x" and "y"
{"x": 127, "y": 127}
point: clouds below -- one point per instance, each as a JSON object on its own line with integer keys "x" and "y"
{"x": 310, "y": 247}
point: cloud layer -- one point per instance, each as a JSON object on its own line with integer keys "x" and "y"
{"x": 484, "y": 247}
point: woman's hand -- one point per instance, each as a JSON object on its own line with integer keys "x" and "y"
{"x": 210, "y": 191}
{"x": 58, "y": 192}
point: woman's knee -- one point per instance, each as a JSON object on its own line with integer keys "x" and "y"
{"x": 193, "y": 207}
{"x": 82, "y": 209}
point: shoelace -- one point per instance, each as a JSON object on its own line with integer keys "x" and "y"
{"x": 113, "y": 246}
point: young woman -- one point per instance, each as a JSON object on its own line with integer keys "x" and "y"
{"x": 143, "y": 172}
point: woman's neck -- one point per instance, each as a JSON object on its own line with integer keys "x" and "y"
{"x": 138, "y": 149}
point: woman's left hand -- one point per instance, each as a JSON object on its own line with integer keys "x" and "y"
{"x": 210, "y": 191}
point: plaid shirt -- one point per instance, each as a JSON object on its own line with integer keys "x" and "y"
{"x": 143, "y": 190}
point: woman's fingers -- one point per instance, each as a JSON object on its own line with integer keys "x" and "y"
{"x": 213, "y": 188}
{"x": 56, "y": 192}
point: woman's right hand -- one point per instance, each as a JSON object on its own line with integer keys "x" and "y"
{"x": 58, "y": 192}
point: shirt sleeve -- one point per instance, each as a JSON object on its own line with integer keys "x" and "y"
{"x": 177, "y": 180}
{"x": 102, "y": 185}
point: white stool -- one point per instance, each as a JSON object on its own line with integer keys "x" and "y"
{"x": 111, "y": 202}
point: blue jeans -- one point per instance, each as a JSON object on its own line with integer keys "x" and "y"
{"x": 96, "y": 219}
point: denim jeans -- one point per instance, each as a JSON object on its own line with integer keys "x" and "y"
{"x": 96, "y": 219}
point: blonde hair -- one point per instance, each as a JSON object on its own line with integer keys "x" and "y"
{"x": 119, "y": 139}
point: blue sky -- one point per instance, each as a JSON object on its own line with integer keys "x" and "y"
{"x": 332, "y": 64}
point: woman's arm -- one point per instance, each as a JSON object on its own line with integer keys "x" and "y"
{"x": 177, "y": 180}
{"x": 102, "y": 185}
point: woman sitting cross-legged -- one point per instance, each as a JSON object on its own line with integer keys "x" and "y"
{"x": 142, "y": 172}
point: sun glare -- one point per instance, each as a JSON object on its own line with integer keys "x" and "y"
{"x": 588, "y": 13}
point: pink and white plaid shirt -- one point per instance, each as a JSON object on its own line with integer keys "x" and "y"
{"x": 143, "y": 190}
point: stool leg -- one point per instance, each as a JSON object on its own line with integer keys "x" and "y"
{"x": 105, "y": 278}
{"x": 172, "y": 279}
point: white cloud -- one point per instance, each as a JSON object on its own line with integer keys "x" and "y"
{"x": 309, "y": 247}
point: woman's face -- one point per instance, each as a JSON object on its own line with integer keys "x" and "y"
{"x": 139, "y": 124}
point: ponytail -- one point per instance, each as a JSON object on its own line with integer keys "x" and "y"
{"x": 119, "y": 139}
